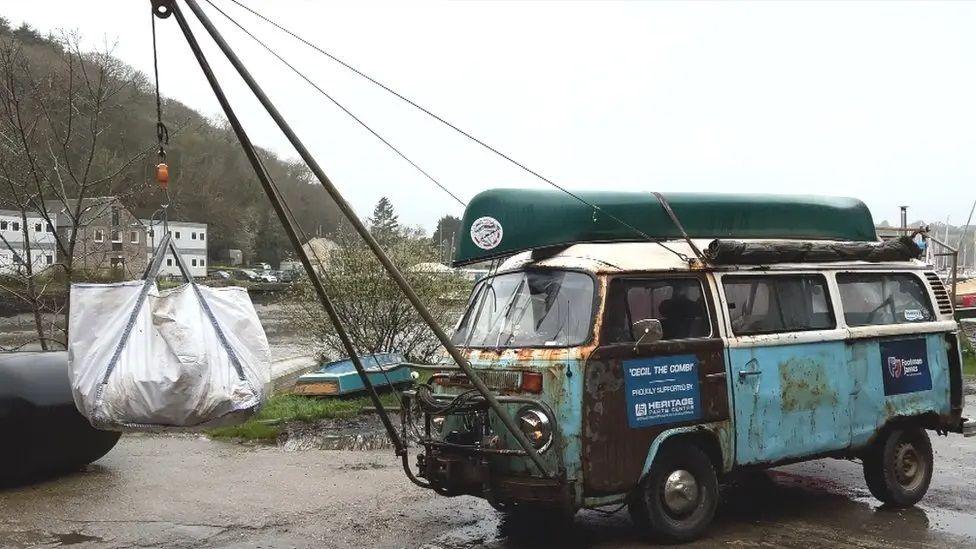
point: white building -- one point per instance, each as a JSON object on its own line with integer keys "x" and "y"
{"x": 190, "y": 239}
{"x": 12, "y": 251}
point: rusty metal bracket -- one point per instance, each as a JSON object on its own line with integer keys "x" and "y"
{"x": 162, "y": 8}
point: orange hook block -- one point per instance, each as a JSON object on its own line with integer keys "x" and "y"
{"x": 162, "y": 175}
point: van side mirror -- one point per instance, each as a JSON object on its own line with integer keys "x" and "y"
{"x": 646, "y": 330}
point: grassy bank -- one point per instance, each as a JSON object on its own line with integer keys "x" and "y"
{"x": 282, "y": 409}
{"x": 968, "y": 358}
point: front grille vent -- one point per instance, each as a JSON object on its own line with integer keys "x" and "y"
{"x": 496, "y": 380}
{"x": 941, "y": 295}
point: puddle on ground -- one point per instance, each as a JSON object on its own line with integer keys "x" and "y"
{"x": 74, "y": 538}
{"x": 28, "y": 538}
{"x": 359, "y": 433}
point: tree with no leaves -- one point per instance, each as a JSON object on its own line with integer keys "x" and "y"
{"x": 377, "y": 315}
{"x": 54, "y": 116}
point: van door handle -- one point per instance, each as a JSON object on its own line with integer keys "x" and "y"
{"x": 744, "y": 373}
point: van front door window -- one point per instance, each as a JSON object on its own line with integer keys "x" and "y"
{"x": 677, "y": 303}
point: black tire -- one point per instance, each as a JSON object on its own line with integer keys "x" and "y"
{"x": 637, "y": 509}
{"x": 898, "y": 468}
{"x": 697, "y": 504}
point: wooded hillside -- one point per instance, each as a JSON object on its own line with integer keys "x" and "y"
{"x": 211, "y": 180}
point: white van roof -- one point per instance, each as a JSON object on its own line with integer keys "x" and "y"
{"x": 669, "y": 255}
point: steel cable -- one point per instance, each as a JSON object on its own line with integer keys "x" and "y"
{"x": 436, "y": 117}
{"x": 337, "y": 103}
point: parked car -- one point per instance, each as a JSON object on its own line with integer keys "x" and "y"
{"x": 247, "y": 274}
{"x": 267, "y": 277}
{"x": 222, "y": 275}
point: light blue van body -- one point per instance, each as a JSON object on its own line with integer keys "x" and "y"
{"x": 760, "y": 396}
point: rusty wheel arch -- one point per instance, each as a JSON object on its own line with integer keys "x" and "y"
{"x": 927, "y": 420}
{"x": 706, "y": 440}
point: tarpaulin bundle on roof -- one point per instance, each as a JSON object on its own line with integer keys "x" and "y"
{"x": 736, "y": 252}
{"x": 145, "y": 359}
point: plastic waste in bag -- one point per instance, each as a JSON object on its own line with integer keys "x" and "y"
{"x": 145, "y": 359}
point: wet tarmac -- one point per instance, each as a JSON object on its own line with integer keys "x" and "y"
{"x": 187, "y": 491}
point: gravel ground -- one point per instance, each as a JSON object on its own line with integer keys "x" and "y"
{"x": 187, "y": 491}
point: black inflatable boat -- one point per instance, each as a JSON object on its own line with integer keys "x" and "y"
{"x": 42, "y": 431}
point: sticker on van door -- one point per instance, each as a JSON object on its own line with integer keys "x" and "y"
{"x": 905, "y": 366}
{"x": 662, "y": 389}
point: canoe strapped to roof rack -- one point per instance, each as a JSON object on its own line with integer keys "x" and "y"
{"x": 501, "y": 222}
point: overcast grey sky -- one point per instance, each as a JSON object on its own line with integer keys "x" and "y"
{"x": 873, "y": 100}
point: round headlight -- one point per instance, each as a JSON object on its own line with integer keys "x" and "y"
{"x": 536, "y": 426}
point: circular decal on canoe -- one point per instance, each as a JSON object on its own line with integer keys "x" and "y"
{"x": 486, "y": 233}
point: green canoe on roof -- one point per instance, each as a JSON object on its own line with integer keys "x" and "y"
{"x": 500, "y": 222}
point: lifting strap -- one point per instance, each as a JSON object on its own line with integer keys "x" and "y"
{"x": 681, "y": 228}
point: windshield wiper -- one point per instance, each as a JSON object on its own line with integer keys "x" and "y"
{"x": 505, "y": 312}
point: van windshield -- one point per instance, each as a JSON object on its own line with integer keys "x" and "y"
{"x": 528, "y": 309}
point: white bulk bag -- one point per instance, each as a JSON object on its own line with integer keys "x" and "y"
{"x": 144, "y": 359}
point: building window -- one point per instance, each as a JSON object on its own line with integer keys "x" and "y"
{"x": 891, "y": 298}
{"x": 169, "y": 262}
{"x": 193, "y": 262}
{"x": 99, "y": 235}
{"x": 117, "y": 236}
{"x": 15, "y": 225}
{"x": 50, "y": 259}
{"x": 115, "y": 217}
{"x": 193, "y": 236}
{"x": 780, "y": 303}
{"x": 177, "y": 235}
{"x": 203, "y": 262}
{"x": 3, "y": 225}
{"x": 49, "y": 228}
{"x": 201, "y": 237}
{"x": 133, "y": 237}
{"x": 37, "y": 227}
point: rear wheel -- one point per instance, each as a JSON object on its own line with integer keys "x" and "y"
{"x": 898, "y": 468}
{"x": 677, "y": 499}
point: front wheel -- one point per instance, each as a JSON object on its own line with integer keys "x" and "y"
{"x": 678, "y": 498}
{"x": 898, "y": 468}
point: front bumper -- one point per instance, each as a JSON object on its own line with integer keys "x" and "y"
{"x": 480, "y": 461}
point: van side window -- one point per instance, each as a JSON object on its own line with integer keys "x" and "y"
{"x": 778, "y": 303}
{"x": 870, "y": 299}
{"x": 678, "y": 303}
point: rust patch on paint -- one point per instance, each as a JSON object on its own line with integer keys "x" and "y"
{"x": 804, "y": 385}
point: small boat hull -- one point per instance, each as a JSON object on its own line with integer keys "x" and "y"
{"x": 43, "y": 432}
{"x": 340, "y": 378}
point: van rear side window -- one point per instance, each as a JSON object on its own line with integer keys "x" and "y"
{"x": 778, "y": 303}
{"x": 871, "y": 299}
